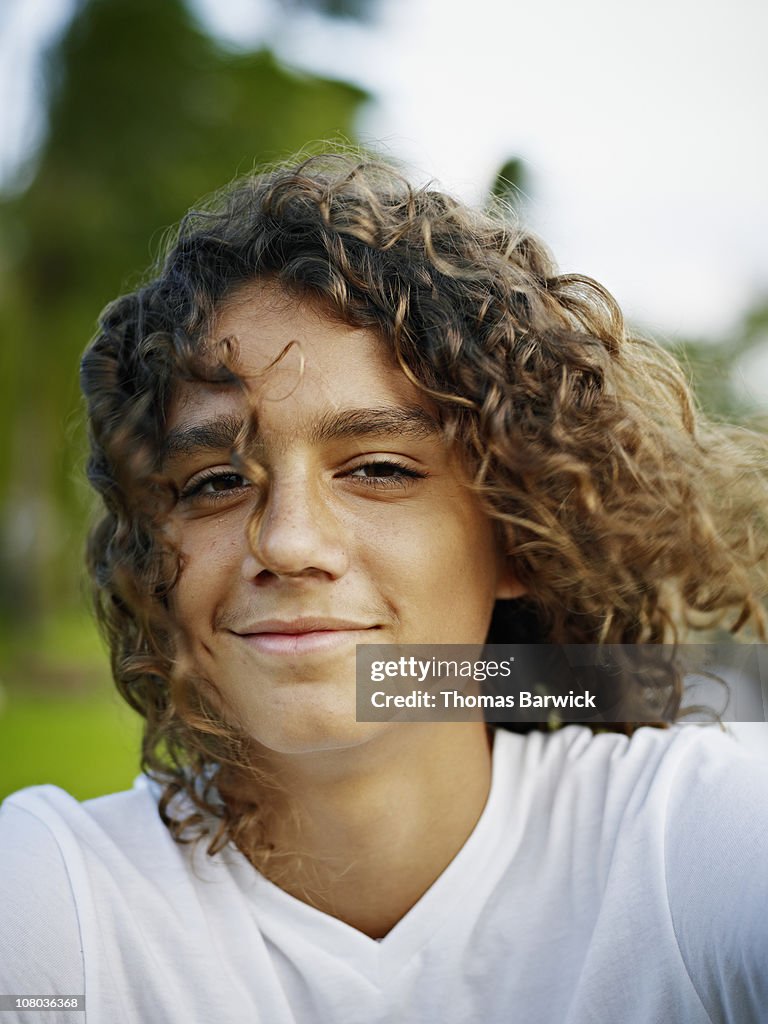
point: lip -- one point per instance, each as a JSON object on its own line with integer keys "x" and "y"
{"x": 302, "y": 636}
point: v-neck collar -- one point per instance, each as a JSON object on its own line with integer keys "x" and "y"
{"x": 469, "y": 876}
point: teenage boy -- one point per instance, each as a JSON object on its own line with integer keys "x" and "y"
{"x": 348, "y": 411}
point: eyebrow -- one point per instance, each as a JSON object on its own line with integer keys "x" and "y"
{"x": 405, "y": 421}
{"x": 226, "y": 432}
{"x": 223, "y": 432}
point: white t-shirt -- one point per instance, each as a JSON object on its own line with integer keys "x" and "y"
{"x": 608, "y": 880}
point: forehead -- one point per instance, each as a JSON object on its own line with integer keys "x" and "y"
{"x": 296, "y": 363}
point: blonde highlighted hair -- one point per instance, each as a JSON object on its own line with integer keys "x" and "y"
{"x": 629, "y": 517}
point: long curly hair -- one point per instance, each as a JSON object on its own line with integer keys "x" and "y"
{"x": 630, "y": 518}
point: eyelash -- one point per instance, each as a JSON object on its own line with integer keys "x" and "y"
{"x": 400, "y": 476}
{"x": 194, "y": 489}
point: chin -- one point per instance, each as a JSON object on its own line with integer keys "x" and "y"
{"x": 309, "y": 725}
{"x": 301, "y": 739}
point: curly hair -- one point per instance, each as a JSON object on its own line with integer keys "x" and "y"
{"x": 629, "y": 517}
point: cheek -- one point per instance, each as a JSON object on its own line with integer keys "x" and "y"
{"x": 439, "y": 573}
{"x": 470, "y": 573}
{"x": 469, "y": 544}
{"x": 455, "y": 541}
{"x": 209, "y": 567}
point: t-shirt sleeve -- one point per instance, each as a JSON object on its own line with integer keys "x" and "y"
{"x": 717, "y": 880}
{"x": 40, "y": 947}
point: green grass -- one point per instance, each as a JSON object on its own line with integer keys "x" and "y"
{"x": 69, "y": 637}
{"x": 61, "y": 721}
{"x": 87, "y": 744}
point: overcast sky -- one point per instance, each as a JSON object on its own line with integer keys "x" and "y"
{"x": 644, "y": 125}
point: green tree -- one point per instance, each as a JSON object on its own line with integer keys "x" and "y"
{"x": 510, "y": 184}
{"x": 710, "y": 365}
{"x": 146, "y": 113}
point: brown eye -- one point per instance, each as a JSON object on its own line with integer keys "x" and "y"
{"x": 380, "y": 469}
{"x": 214, "y": 485}
{"x": 384, "y": 473}
{"x": 224, "y": 482}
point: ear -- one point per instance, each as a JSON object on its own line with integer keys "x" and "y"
{"x": 509, "y": 586}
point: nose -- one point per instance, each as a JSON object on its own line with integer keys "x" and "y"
{"x": 297, "y": 532}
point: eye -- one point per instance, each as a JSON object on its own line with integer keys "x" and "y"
{"x": 214, "y": 485}
{"x": 384, "y": 473}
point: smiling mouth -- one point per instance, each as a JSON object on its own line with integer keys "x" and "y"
{"x": 304, "y": 636}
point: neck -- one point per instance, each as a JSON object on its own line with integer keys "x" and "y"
{"x": 361, "y": 834}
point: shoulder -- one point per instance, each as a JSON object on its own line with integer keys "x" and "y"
{"x": 120, "y": 836}
{"x": 657, "y": 762}
{"x": 48, "y": 818}
{"x": 628, "y": 771}
{"x": 682, "y": 816}
{"x": 47, "y": 824}
{"x": 99, "y": 893}
{"x": 676, "y": 787}
{"x": 53, "y": 850}
{"x": 40, "y": 937}
{"x": 717, "y": 881}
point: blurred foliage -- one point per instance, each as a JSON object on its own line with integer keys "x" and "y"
{"x": 88, "y": 746}
{"x": 358, "y": 9}
{"x": 510, "y": 185}
{"x": 713, "y": 366}
{"x": 146, "y": 113}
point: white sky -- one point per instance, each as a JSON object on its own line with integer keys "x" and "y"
{"x": 644, "y": 125}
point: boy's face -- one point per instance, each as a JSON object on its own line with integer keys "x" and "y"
{"x": 368, "y": 534}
